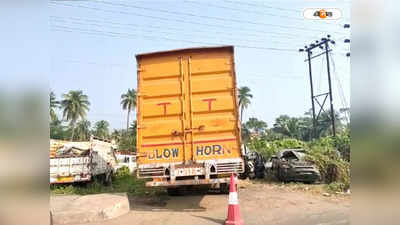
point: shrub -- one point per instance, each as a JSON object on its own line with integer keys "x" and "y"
{"x": 330, "y": 164}
{"x": 122, "y": 172}
{"x": 336, "y": 187}
{"x": 269, "y": 148}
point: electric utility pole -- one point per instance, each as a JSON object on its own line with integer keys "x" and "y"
{"x": 322, "y": 44}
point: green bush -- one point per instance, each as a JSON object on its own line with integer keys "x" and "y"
{"x": 269, "y": 148}
{"x": 331, "y": 165}
{"x": 123, "y": 181}
{"x": 336, "y": 187}
{"x": 122, "y": 172}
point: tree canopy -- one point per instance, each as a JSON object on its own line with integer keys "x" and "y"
{"x": 128, "y": 102}
{"x": 244, "y": 99}
{"x": 74, "y": 105}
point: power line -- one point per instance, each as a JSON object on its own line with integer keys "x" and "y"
{"x": 118, "y": 34}
{"x": 340, "y": 89}
{"x": 260, "y": 13}
{"x": 255, "y": 76}
{"x": 243, "y": 10}
{"x": 175, "y": 33}
{"x": 278, "y": 8}
{"x": 262, "y": 5}
{"x": 92, "y": 63}
{"x": 169, "y": 28}
{"x": 163, "y": 19}
{"x": 209, "y": 17}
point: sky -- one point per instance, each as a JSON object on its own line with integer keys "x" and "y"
{"x": 93, "y": 48}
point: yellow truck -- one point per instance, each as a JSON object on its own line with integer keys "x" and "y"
{"x": 188, "y": 129}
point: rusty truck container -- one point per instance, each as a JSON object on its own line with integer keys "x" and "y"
{"x": 187, "y": 113}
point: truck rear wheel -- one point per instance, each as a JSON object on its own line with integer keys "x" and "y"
{"x": 175, "y": 191}
{"x": 224, "y": 188}
{"x": 108, "y": 179}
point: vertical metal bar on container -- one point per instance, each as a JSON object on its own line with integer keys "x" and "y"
{"x": 191, "y": 104}
{"x": 235, "y": 99}
{"x": 183, "y": 116}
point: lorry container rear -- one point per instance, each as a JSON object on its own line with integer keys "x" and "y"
{"x": 188, "y": 128}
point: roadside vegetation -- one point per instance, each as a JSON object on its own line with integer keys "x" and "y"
{"x": 330, "y": 154}
{"x": 122, "y": 181}
{"x": 73, "y": 125}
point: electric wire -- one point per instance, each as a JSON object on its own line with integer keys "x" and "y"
{"x": 208, "y": 17}
{"x": 96, "y": 23}
{"x": 172, "y": 28}
{"x": 322, "y": 22}
{"x": 163, "y": 19}
{"x": 340, "y": 90}
{"x": 262, "y": 6}
{"x": 128, "y": 35}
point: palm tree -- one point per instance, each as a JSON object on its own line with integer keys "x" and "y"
{"x": 133, "y": 127}
{"x": 53, "y": 105}
{"x": 57, "y": 130}
{"x": 128, "y": 102}
{"x": 75, "y": 105}
{"x": 101, "y": 129}
{"x": 128, "y": 138}
{"x": 83, "y": 130}
{"x": 245, "y": 132}
{"x": 324, "y": 125}
{"x": 256, "y": 126}
{"x": 116, "y": 135}
{"x": 282, "y": 125}
{"x": 244, "y": 99}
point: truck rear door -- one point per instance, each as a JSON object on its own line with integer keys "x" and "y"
{"x": 187, "y": 107}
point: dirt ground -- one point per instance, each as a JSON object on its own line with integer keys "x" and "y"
{"x": 260, "y": 203}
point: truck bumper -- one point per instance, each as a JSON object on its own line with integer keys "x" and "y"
{"x": 69, "y": 179}
{"x": 188, "y": 182}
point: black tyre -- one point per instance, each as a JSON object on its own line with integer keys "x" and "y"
{"x": 252, "y": 175}
{"x": 108, "y": 179}
{"x": 176, "y": 191}
{"x": 100, "y": 178}
{"x": 279, "y": 175}
{"x": 259, "y": 174}
{"x": 224, "y": 188}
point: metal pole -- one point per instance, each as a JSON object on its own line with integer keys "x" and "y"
{"x": 330, "y": 89}
{"x": 312, "y": 94}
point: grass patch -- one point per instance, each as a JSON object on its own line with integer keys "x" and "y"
{"x": 122, "y": 181}
{"x": 335, "y": 187}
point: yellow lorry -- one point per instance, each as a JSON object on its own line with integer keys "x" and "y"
{"x": 188, "y": 129}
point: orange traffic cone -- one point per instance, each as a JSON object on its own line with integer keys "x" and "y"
{"x": 233, "y": 208}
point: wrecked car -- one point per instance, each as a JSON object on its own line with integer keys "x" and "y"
{"x": 254, "y": 164}
{"x": 290, "y": 165}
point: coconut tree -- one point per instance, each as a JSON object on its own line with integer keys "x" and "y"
{"x": 128, "y": 102}
{"x": 101, "y": 129}
{"x": 83, "y": 130}
{"x": 256, "y": 126}
{"x": 53, "y": 105}
{"x": 244, "y": 99}
{"x": 74, "y": 105}
{"x": 116, "y": 135}
{"x": 245, "y": 132}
